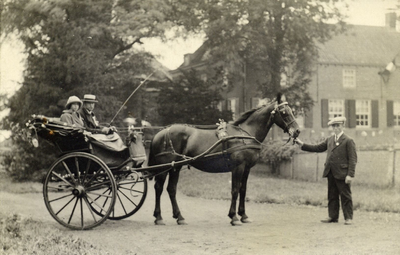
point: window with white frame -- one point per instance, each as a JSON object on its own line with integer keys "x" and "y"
{"x": 336, "y": 108}
{"x": 396, "y": 113}
{"x": 363, "y": 113}
{"x": 349, "y": 78}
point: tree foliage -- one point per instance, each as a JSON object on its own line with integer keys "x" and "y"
{"x": 75, "y": 47}
{"x": 271, "y": 36}
{"x": 191, "y": 100}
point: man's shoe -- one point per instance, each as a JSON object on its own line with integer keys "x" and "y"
{"x": 348, "y": 222}
{"x": 329, "y": 220}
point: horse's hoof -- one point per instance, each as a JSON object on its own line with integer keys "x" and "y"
{"x": 236, "y": 223}
{"x": 159, "y": 222}
{"x": 181, "y": 222}
{"x": 246, "y": 220}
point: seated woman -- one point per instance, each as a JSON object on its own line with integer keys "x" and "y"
{"x": 71, "y": 115}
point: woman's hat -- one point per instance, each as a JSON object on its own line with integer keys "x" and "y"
{"x": 89, "y": 98}
{"x": 73, "y": 99}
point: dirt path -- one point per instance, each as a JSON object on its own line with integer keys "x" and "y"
{"x": 277, "y": 229}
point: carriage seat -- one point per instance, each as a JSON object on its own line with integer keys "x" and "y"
{"x": 111, "y": 142}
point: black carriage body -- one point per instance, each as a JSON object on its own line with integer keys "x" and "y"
{"x": 73, "y": 139}
{"x": 93, "y": 179}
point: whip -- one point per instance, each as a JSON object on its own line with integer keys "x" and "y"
{"x": 131, "y": 96}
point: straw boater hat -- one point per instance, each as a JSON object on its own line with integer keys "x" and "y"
{"x": 89, "y": 98}
{"x": 337, "y": 120}
{"x": 71, "y": 100}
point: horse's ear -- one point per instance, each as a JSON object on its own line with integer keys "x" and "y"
{"x": 280, "y": 98}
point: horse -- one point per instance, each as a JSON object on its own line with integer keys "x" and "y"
{"x": 238, "y": 155}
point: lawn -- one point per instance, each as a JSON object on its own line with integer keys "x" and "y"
{"x": 263, "y": 188}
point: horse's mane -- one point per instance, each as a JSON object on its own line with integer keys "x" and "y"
{"x": 244, "y": 116}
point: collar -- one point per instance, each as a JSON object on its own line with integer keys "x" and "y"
{"x": 339, "y": 135}
{"x": 89, "y": 112}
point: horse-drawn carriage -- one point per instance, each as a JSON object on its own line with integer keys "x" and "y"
{"x": 100, "y": 177}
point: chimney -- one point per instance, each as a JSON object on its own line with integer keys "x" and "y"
{"x": 391, "y": 19}
{"x": 187, "y": 59}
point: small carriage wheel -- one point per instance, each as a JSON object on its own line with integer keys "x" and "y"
{"x": 74, "y": 185}
{"x": 131, "y": 194}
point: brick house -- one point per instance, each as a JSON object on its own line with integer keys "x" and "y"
{"x": 349, "y": 79}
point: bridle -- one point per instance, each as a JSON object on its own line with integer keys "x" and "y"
{"x": 281, "y": 109}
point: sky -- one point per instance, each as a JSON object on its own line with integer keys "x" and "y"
{"x": 361, "y": 12}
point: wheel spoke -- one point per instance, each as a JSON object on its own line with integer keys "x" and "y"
{"x": 128, "y": 198}
{"x": 62, "y": 208}
{"x": 62, "y": 178}
{"x": 95, "y": 186}
{"x": 77, "y": 170}
{"x": 73, "y": 211}
{"x": 94, "y": 202}
{"x": 69, "y": 172}
{"x": 86, "y": 171}
{"x": 58, "y": 188}
{"x": 120, "y": 201}
{"x": 93, "y": 177}
{"x": 90, "y": 209}
{"x": 99, "y": 194}
{"x": 82, "y": 222}
{"x": 56, "y": 199}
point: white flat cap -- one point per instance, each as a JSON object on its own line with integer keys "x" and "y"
{"x": 337, "y": 120}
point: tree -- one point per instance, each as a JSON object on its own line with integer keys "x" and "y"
{"x": 272, "y": 36}
{"x": 76, "y": 47}
{"x": 191, "y": 100}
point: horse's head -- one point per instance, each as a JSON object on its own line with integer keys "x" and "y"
{"x": 282, "y": 116}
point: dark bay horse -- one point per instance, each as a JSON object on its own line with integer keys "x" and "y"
{"x": 179, "y": 142}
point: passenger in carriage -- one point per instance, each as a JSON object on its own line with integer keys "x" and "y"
{"x": 70, "y": 115}
{"x": 89, "y": 119}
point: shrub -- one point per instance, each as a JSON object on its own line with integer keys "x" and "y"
{"x": 275, "y": 151}
{"x": 24, "y": 162}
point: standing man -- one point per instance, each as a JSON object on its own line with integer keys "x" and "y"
{"x": 89, "y": 119}
{"x": 340, "y": 168}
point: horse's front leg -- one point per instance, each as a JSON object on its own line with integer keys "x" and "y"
{"x": 237, "y": 174}
{"x": 159, "y": 186}
{"x": 242, "y": 199}
{"x": 172, "y": 188}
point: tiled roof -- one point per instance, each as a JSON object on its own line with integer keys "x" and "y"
{"x": 367, "y": 45}
{"x": 360, "y": 45}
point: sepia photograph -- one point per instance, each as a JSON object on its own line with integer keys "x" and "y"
{"x": 196, "y": 127}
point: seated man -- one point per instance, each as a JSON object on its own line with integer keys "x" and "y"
{"x": 89, "y": 119}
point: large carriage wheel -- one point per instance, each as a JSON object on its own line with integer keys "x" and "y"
{"x": 131, "y": 193}
{"x": 75, "y": 184}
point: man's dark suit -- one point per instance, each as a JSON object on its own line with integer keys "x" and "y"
{"x": 340, "y": 161}
{"x": 89, "y": 121}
